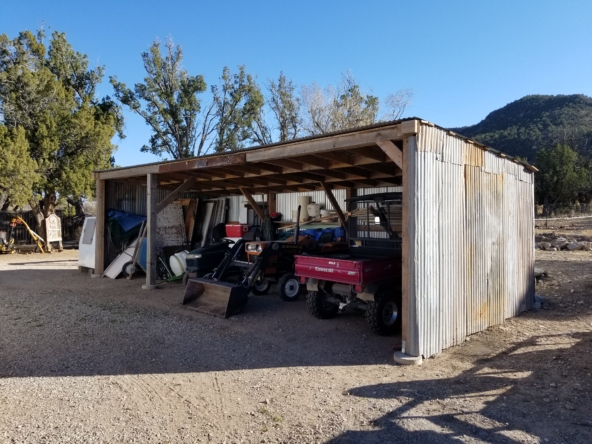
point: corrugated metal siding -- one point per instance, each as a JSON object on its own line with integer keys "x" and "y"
{"x": 131, "y": 198}
{"x": 366, "y": 191}
{"x": 471, "y": 239}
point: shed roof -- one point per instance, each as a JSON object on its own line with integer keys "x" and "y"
{"x": 343, "y": 159}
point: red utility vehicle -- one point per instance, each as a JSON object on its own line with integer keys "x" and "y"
{"x": 368, "y": 275}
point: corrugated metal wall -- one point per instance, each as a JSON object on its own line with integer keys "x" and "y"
{"x": 286, "y": 202}
{"x": 131, "y": 198}
{"x": 471, "y": 240}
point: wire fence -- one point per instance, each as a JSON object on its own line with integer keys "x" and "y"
{"x": 71, "y": 227}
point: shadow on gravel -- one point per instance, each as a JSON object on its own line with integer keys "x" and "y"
{"x": 531, "y": 402}
{"x": 63, "y": 323}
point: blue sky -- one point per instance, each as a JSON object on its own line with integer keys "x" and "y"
{"x": 463, "y": 58}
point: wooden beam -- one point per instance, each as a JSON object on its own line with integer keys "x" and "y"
{"x": 342, "y": 157}
{"x": 126, "y": 172}
{"x": 100, "y": 230}
{"x": 269, "y": 167}
{"x": 355, "y": 139}
{"x": 392, "y": 151}
{"x": 334, "y": 203}
{"x": 370, "y": 152}
{"x": 271, "y": 203}
{"x": 254, "y": 204}
{"x": 171, "y": 197}
{"x": 285, "y": 163}
{"x": 312, "y": 160}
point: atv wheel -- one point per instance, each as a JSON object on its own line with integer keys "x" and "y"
{"x": 319, "y": 306}
{"x": 261, "y": 287}
{"x": 128, "y": 269}
{"x": 289, "y": 287}
{"x": 384, "y": 316}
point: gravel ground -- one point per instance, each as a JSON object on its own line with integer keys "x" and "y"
{"x": 97, "y": 360}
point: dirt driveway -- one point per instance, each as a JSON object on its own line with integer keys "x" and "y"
{"x": 96, "y": 360}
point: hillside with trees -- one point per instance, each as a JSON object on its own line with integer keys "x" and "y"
{"x": 552, "y": 132}
{"x": 536, "y": 122}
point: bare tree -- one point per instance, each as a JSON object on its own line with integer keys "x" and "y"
{"x": 333, "y": 109}
{"x": 397, "y": 103}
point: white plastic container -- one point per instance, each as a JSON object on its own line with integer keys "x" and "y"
{"x": 314, "y": 209}
{"x": 325, "y": 213}
{"x": 178, "y": 262}
{"x": 303, "y": 201}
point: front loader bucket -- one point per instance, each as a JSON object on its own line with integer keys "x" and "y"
{"x": 216, "y": 298}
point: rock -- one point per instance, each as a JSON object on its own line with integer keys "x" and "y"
{"x": 545, "y": 245}
{"x": 573, "y": 246}
{"x": 560, "y": 243}
{"x": 539, "y": 272}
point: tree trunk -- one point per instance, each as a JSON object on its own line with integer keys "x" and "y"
{"x": 5, "y": 205}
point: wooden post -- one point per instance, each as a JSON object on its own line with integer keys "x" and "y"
{"x": 335, "y": 205}
{"x": 410, "y": 333}
{"x": 100, "y": 231}
{"x": 151, "y": 196}
{"x": 253, "y": 204}
{"x": 271, "y": 203}
{"x": 349, "y": 193}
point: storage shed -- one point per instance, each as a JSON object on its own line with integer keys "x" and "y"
{"x": 467, "y": 226}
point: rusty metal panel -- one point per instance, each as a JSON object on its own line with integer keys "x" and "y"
{"x": 170, "y": 226}
{"x": 473, "y": 155}
{"x": 431, "y": 139}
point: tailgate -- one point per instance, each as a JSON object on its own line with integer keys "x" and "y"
{"x": 346, "y": 271}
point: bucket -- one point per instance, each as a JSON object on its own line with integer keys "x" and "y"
{"x": 178, "y": 262}
{"x": 303, "y": 201}
{"x": 303, "y": 217}
{"x": 314, "y": 209}
{"x": 216, "y": 298}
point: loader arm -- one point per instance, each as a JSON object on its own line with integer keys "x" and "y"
{"x": 38, "y": 239}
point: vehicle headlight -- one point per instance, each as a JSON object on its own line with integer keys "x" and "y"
{"x": 259, "y": 248}
{"x": 252, "y": 247}
{"x": 194, "y": 256}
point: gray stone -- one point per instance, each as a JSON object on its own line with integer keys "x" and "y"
{"x": 573, "y": 246}
{"x": 545, "y": 245}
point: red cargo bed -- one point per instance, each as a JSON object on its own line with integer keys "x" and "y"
{"x": 346, "y": 269}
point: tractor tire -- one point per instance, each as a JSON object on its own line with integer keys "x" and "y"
{"x": 261, "y": 287}
{"x": 289, "y": 287}
{"x": 384, "y": 315}
{"x": 319, "y": 307}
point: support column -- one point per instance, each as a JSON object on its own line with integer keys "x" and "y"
{"x": 410, "y": 353}
{"x": 100, "y": 231}
{"x": 151, "y": 202}
{"x": 271, "y": 203}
